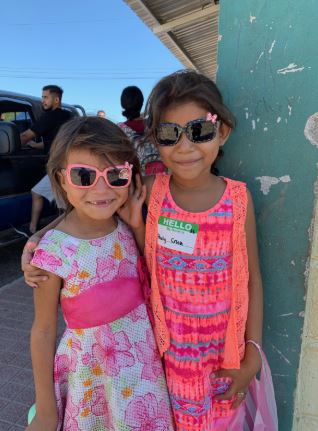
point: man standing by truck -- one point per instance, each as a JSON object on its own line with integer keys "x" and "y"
{"x": 46, "y": 127}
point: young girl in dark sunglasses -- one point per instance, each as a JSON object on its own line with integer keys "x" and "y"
{"x": 106, "y": 373}
{"x": 201, "y": 250}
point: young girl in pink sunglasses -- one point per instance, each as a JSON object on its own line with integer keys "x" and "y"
{"x": 106, "y": 373}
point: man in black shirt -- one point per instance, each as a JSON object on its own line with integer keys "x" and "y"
{"x": 46, "y": 127}
{"x": 49, "y": 123}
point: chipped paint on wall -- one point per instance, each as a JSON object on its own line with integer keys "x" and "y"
{"x": 260, "y": 56}
{"x": 291, "y": 68}
{"x": 279, "y": 93}
{"x": 252, "y": 18}
{"x": 267, "y": 182}
{"x": 272, "y": 47}
{"x": 281, "y": 355}
{"x": 311, "y": 129}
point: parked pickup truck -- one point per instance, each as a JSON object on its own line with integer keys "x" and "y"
{"x": 20, "y": 168}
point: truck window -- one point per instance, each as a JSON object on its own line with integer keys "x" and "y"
{"x": 22, "y": 119}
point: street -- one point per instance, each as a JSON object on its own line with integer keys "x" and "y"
{"x": 10, "y": 263}
{"x": 16, "y": 317}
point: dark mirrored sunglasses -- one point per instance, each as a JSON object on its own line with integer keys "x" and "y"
{"x": 197, "y": 131}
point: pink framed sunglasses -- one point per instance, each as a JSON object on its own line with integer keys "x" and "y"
{"x": 85, "y": 176}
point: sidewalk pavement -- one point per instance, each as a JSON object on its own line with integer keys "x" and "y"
{"x": 16, "y": 378}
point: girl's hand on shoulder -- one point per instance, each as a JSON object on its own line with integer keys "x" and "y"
{"x": 28, "y": 250}
{"x": 131, "y": 211}
{"x": 41, "y": 424}
{"x": 32, "y": 275}
{"x": 250, "y": 366}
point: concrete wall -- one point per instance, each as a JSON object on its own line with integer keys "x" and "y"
{"x": 268, "y": 69}
{"x": 306, "y": 405}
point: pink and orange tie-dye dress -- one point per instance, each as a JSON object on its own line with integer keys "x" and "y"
{"x": 194, "y": 274}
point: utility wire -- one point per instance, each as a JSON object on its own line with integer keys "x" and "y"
{"x": 79, "y": 77}
{"x": 120, "y": 68}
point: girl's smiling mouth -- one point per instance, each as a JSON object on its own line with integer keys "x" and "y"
{"x": 187, "y": 162}
{"x": 101, "y": 203}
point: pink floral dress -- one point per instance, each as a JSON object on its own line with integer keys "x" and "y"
{"x": 107, "y": 371}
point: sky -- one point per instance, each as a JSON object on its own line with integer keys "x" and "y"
{"x": 92, "y": 49}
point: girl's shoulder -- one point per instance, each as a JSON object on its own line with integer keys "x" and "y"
{"x": 240, "y": 196}
{"x": 153, "y": 182}
{"x": 234, "y": 183}
{"x": 237, "y": 189}
{"x": 56, "y": 252}
{"x": 123, "y": 229}
{"x": 56, "y": 237}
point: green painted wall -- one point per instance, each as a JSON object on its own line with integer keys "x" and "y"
{"x": 268, "y": 74}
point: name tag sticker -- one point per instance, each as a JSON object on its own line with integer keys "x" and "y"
{"x": 177, "y": 235}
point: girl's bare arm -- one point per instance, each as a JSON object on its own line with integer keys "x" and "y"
{"x": 43, "y": 341}
{"x": 251, "y": 362}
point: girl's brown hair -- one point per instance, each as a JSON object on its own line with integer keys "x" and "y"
{"x": 180, "y": 87}
{"x": 99, "y": 136}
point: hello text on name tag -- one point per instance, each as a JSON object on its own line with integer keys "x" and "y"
{"x": 177, "y": 235}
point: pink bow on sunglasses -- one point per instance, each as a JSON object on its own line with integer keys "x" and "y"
{"x": 86, "y": 176}
{"x": 212, "y": 118}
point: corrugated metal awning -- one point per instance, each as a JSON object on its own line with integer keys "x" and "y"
{"x": 189, "y": 28}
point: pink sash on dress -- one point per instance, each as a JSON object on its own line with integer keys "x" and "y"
{"x": 102, "y": 303}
